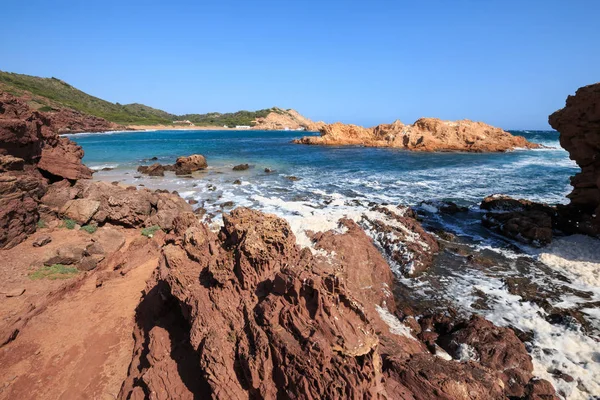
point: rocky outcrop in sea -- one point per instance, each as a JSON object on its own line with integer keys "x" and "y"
{"x": 426, "y": 134}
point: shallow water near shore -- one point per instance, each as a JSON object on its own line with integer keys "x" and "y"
{"x": 550, "y": 295}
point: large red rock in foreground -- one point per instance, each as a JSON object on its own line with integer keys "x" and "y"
{"x": 426, "y": 134}
{"x": 31, "y": 155}
{"x": 579, "y": 126}
{"x": 246, "y": 313}
{"x": 30, "y": 135}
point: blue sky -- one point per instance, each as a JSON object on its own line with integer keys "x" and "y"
{"x": 508, "y": 63}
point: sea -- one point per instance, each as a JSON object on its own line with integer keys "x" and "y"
{"x": 550, "y": 295}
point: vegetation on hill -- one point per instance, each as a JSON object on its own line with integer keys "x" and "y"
{"x": 229, "y": 119}
{"x": 49, "y": 94}
{"x": 53, "y": 93}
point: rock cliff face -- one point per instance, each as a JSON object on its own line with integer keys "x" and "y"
{"x": 579, "y": 126}
{"x": 71, "y": 121}
{"x": 289, "y": 119}
{"x": 426, "y": 134}
{"x": 42, "y": 172}
{"x": 30, "y": 135}
{"x": 246, "y": 313}
{"x": 31, "y": 156}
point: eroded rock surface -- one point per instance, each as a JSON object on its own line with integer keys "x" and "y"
{"x": 579, "y": 126}
{"x": 71, "y": 121}
{"x": 87, "y": 201}
{"x": 246, "y": 313}
{"x": 426, "y": 134}
{"x": 31, "y": 156}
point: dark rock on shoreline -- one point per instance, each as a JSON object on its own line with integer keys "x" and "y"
{"x": 241, "y": 167}
{"x": 525, "y": 221}
{"x": 579, "y": 123}
{"x": 155, "y": 169}
{"x": 183, "y": 166}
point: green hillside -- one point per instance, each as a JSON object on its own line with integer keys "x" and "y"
{"x": 229, "y": 119}
{"x": 52, "y": 93}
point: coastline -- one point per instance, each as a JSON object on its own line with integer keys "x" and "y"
{"x": 176, "y": 128}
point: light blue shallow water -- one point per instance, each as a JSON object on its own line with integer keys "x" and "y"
{"x": 334, "y": 182}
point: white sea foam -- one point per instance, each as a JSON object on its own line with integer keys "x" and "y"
{"x": 101, "y": 166}
{"x": 576, "y": 256}
{"x": 396, "y": 327}
{"x": 554, "y": 347}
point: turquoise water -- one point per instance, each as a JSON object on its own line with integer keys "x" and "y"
{"x": 379, "y": 174}
{"x": 335, "y": 182}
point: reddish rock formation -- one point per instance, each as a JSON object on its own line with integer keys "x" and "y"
{"x": 62, "y": 159}
{"x": 183, "y": 166}
{"x": 30, "y": 135}
{"x": 189, "y": 164}
{"x": 286, "y": 119}
{"x": 70, "y": 121}
{"x": 579, "y": 126}
{"x": 87, "y": 201}
{"x": 248, "y": 314}
{"x": 19, "y": 196}
{"x": 426, "y": 134}
{"x": 155, "y": 169}
{"x": 31, "y": 154}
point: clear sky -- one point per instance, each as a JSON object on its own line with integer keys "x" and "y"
{"x": 508, "y": 63}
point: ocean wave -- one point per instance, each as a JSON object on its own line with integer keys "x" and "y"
{"x": 102, "y": 166}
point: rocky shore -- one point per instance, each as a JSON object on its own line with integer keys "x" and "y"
{"x": 426, "y": 134}
{"x": 533, "y": 223}
{"x": 244, "y": 311}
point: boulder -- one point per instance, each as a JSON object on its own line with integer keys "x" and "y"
{"x": 241, "y": 167}
{"x": 522, "y": 220}
{"x": 155, "y": 169}
{"x": 89, "y": 262}
{"x": 80, "y": 210}
{"x": 189, "y": 164}
{"x": 63, "y": 161}
{"x": 42, "y": 241}
{"x": 10, "y": 163}
{"x": 68, "y": 254}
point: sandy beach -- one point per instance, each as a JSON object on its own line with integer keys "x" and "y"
{"x": 177, "y": 128}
